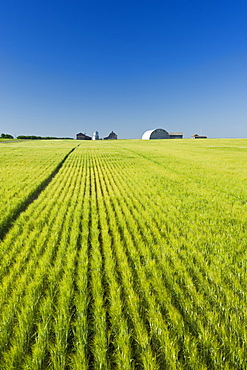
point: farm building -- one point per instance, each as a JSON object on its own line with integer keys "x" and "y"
{"x": 176, "y": 135}
{"x": 195, "y": 136}
{"x": 160, "y": 133}
{"x": 81, "y": 136}
{"x": 96, "y": 135}
{"x": 111, "y": 136}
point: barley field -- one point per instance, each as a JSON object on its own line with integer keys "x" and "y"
{"x": 123, "y": 254}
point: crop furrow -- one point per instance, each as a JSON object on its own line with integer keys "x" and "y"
{"x": 9, "y": 221}
{"x": 137, "y": 231}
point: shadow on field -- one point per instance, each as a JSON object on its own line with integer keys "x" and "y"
{"x": 9, "y": 221}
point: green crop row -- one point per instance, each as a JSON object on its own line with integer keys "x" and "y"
{"x": 179, "y": 294}
{"x": 24, "y": 169}
{"x": 130, "y": 258}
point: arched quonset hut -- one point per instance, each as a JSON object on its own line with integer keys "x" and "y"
{"x": 158, "y": 133}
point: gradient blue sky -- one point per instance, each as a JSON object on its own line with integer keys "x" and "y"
{"x": 127, "y": 66}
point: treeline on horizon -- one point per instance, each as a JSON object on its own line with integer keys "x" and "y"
{"x": 6, "y": 136}
{"x": 34, "y": 137}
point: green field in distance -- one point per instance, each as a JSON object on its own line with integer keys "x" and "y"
{"x": 123, "y": 254}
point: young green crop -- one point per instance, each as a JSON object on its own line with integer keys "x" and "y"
{"x": 131, "y": 257}
{"x": 25, "y": 167}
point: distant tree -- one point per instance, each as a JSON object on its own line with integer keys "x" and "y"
{"x": 29, "y": 137}
{"x": 6, "y": 136}
{"x": 33, "y": 137}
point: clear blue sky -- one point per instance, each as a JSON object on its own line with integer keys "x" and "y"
{"x": 123, "y": 65}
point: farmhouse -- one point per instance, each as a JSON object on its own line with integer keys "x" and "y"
{"x": 195, "y": 136}
{"x": 81, "y": 136}
{"x": 160, "y": 133}
{"x": 111, "y": 136}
